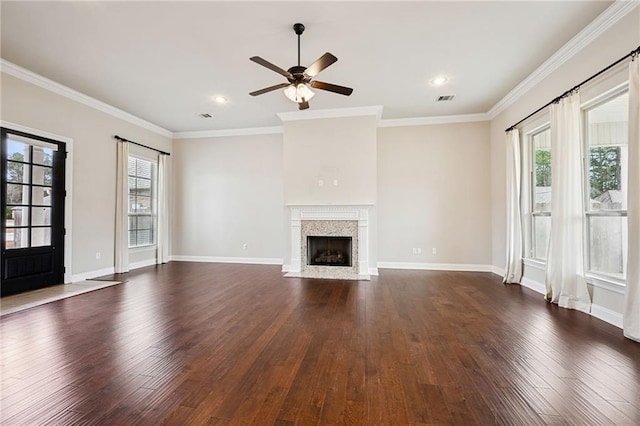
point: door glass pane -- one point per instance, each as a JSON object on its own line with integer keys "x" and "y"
{"x": 42, "y": 155}
{"x": 17, "y": 172}
{"x": 42, "y": 175}
{"x": 541, "y": 232}
{"x": 40, "y": 196}
{"x": 17, "y": 194}
{"x": 607, "y": 130}
{"x": 17, "y": 216}
{"x": 17, "y": 150}
{"x": 17, "y": 238}
{"x": 41, "y": 216}
{"x": 608, "y": 245}
{"x": 40, "y": 237}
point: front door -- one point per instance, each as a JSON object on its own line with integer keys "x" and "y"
{"x": 32, "y": 201}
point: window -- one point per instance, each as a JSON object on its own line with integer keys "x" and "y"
{"x": 606, "y": 129}
{"x": 141, "y": 202}
{"x": 540, "y": 142}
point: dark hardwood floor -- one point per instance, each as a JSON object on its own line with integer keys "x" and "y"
{"x": 189, "y": 343}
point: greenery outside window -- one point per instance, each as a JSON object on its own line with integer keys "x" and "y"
{"x": 606, "y": 130}
{"x": 540, "y": 143}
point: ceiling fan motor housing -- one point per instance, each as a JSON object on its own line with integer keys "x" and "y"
{"x": 298, "y": 75}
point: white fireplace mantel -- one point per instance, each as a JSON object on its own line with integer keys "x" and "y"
{"x": 359, "y": 213}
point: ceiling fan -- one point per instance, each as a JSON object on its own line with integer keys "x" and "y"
{"x": 300, "y": 78}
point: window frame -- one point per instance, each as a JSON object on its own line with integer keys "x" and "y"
{"x": 534, "y": 129}
{"x": 153, "y": 199}
{"x": 595, "y": 102}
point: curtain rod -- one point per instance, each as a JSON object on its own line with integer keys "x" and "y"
{"x": 139, "y": 144}
{"x": 633, "y": 54}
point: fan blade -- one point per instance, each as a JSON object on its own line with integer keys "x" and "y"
{"x": 267, "y": 64}
{"x": 321, "y": 63}
{"x": 269, "y": 89}
{"x": 332, "y": 88}
{"x": 303, "y": 105}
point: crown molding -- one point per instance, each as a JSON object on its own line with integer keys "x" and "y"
{"x": 332, "y": 113}
{"x": 603, "y": 22}
{"x": 425, "y": 121}
{"x": 229, "y": 132}
{"x": 50, "y": 85}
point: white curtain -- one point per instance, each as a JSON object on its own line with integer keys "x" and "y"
{"x": 513, "y": 270}
{"x": 564, "y": 279}
{"x": 122, "y": 209}
{"x": 631, "y": 317}
{"x": 163, "y": 211}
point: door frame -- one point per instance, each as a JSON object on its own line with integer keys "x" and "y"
{"x": 68, "y": 186}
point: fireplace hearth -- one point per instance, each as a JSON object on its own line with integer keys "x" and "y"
{"x": 329, "y": 251}
{"x": 346, "y": 225}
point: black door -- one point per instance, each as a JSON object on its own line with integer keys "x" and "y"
{"x": 33, "y": 207}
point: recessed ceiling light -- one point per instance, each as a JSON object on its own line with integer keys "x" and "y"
{"x": 220, "y": 99}
{"x": 439, "y": 80}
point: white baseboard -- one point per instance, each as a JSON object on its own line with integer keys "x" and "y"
{"x": 607, "y": 315}
{"x": 92, "y": 274}
{"x": 373, "y": 271}
{"x": 498, "y": 271}
{"x": 142, "y": 264}
{"x": 215, "y": 259}
{"x": 534, "y": 285}
{"x": 435, "y": 266}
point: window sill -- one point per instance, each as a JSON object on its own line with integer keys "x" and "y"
{"x": 607, "y": 283}
{"x": 142, "y": 249}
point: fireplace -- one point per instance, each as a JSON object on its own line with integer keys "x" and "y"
{"x": 328, "y": 251}
{"x": 338, "y": 224}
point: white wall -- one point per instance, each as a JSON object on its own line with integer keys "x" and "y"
{"x": 94, "y": 162}
{"x": 341, "y": 149}
{"x": 604, "y": 50}
{"x": 434, "y": 192}
{"x": 229, "y": 192}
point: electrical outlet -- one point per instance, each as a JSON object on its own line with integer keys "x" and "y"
{"x": 244, "y": 246}
{"x": 320, "y": 182}
{"x": 335, "y": 182}
{"x": 419, "y": 250}
{"x": 434, "y": 251}
{"x": 98, "y": 255}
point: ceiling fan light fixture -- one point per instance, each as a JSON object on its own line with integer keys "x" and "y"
{"x": 298, "y": 92}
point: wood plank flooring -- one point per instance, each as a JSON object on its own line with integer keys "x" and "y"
{"x": 191, "y": 343}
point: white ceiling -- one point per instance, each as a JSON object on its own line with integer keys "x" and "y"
{"x": 163, "y": 61}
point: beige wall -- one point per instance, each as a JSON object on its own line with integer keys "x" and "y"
{"x": 229, "y": 193}
{"x": 94, "y": 162}
{"x": 604, "y": 50}
{"x": 341, "y": 149}
{"x": 434, "y": 192}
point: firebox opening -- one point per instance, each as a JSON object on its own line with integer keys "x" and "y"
{"x": 329, "y": 251}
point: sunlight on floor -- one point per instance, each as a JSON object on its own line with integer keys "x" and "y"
{"x": 20, "y": 302}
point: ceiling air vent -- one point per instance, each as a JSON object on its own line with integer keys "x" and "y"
{"x": 205, "y": 115}
{"x": 443, "y": 98}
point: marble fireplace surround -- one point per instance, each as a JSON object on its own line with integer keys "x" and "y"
{"x": 330, "y": 220}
